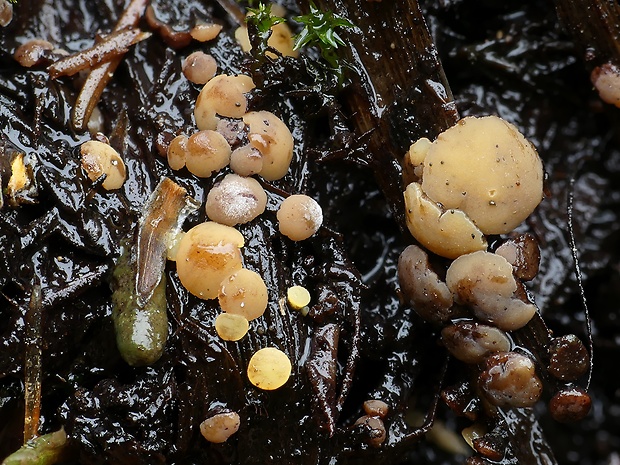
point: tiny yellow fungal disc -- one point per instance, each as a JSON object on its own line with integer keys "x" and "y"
{"x": 272, "y": 138}
{"x": 223, "y": 95}
{"x": 269, "y": 369}
{"x": 207, "y": 254}
{"x": 99, "y": 159}
{"x": 486, "y": 168}
{"x": 220, "y": 427}
{"x": 298, "y": 297}
{"x": 231, "y": 327}
{"x": 244, "y": 293}
{"x": 449, "y": 234}
{"x": 299, "y": 217}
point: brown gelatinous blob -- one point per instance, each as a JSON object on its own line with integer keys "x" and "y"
{"x": 299, "y": 217}
{"x": 425, "y": 292}
{"x": 568, "y": 358}
{"x": 223, "y": 95}
{"x": 175, "y": 39}
{"x": 244, "y": 293}
{"x": 199, "y": 67}
{"x": 235, "y": 200}
{"x": 474, "y": 342}
{"x": 523, "y": 253}
{"x": 485, "y": 282}
{"x": 246, "y": 160}
{"x": 6, "y": 12}
{"x": 207, "y": 254}
{"x": 30, "y": 53}
{"x": 274, "y": 141}
{"x": 218, "y": 428}
{"x": 570, "y": 405}
{"x": 207, "y": 151}
{"x": 177, "y": 152}
{"x": 509, "y": 380}
{"x": 376, "y": 408}
{"x": 375, "y": 429}
{"x": 606, "y": 81}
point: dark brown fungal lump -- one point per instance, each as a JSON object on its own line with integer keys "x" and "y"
{"x": 510, "y": 380}
{"x": 523, "y": 253}
{"x": 474, "y": 342}
{"x": 570, "y": 405}
{"x": 374, "y": 429}
{"x": 568, "y": 358}
{"x": 421, "y": 287}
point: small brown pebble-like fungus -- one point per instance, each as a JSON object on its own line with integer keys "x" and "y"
{"x": 30, "y": 53}
{"x": 299, "y": 217}
{"x": 274, "y": 141}
{"x": 207, "y": 254}
{"x": 231, "y": 327}
{"x": 6, "y": 12}
{"x": 244, "y": 293}
{"x": 177, "y": 152}
{"x": 523, "y": 254}
{"x": 570, "y": 405}
{"x": 246, "y": 160}
{"x": 485, "y": 282}
{"x": 376, "y": 429}
{"x": 509, "y": 380}
{"x": 100, "y": 159}
{"x": 269, "y": 369}
{"x": 376, "y": 408}
{"x": 199, "y": 67}
{"x": 426, "y": 293}
{"x": 606, "y": 81}
{"x": 207, "y": 151}
{"x": 205, "y": 32}
{"x": 235, "y": 200}
{"x": 223, "y": 95}
{"x": 474, "y": 342}
{"x": 568, "y": 358}
{"x": 218, "y": 428}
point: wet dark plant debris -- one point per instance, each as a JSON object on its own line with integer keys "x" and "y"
{"x": 359, "y": 341}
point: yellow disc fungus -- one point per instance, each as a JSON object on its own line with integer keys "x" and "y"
{"x": 269, "y": 369}
{"x": 231, "y": 327}
{"x": 298, "y": 297}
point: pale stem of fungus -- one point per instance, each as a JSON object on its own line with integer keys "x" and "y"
{"x": 165, "y": 213}
{"x": 32, "y": 365}
{"x": 99, "y": 76}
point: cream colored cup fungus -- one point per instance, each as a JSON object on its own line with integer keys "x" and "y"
{"x": 223, "y": 95}
{"x": 274, "y": 141}
{"x": 298, "y": 297}
{"x": 177, "y": 152}
{"x": 244, "y": 293}
{"x": 474, "y": 342}
{"x": 269, "y": 369}
{"x": 481, "y": 176}
{"x": 485, "y": 282}
{"x": 246, "y": 160}
{"x": 100, "y": 159}
{"x": 205, "y": 32}
{"x": 235, "y": 200}
{"x": 207, "y": 151}
{"x": 207, "y": 254}
{"x": 299, "y": 217}
{"x": 606, "y": 81}
{"x": 218, "y": 428}
{"x": 230, "y": 327}
{"x": 199, "y": 67}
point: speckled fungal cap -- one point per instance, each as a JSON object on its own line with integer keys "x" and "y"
{"x": 244, "y": 293}
{"x": 235, "y": 200}
{"x": 273, "y": 140}
{"x": 299, "y": 217}
{"x": 269, "y": 369}
{"x": 223, "y": 95}
{"x": 99, "y": 159}
{"x": 486, "y": 168}
{"x": 206, "y": 151}
{"x": 606, "y": 81}
{"x": 207, "y": 254}
{"x": 485, "y": 282}
{"x": 246, "y": 160}
{"x": 218, "y": 428}
{"x": 448, "y": 233}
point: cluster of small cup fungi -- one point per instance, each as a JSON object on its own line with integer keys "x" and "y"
{"x": 208, "y": 256}
{"x": 482, "y": 178}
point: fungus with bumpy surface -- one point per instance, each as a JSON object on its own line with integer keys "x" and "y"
{"x": 207, "y": 151}
{"x": 235, "y": 200}
{"x": 375, "y": 429}
{"x": 485, "y": 282}
{"x": 207, "y": 254}
{"x": 218, "y": 428}
{"x": 269, "y": 369}
{"x": 509, "y": 380}
{"x": 473, "y": 342}
{"x": 570, "y": 405}
{"x": 231, "y": 327}
{"x": 100, "y": 159}
{"x": 223, "y": 95}
{"x": 244, "y": 293}
{"x": 606, "y": 81}
{"x": 274, "y": 141}
{"x": 299, "y": 217}
{"x": 199, "y": 67}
